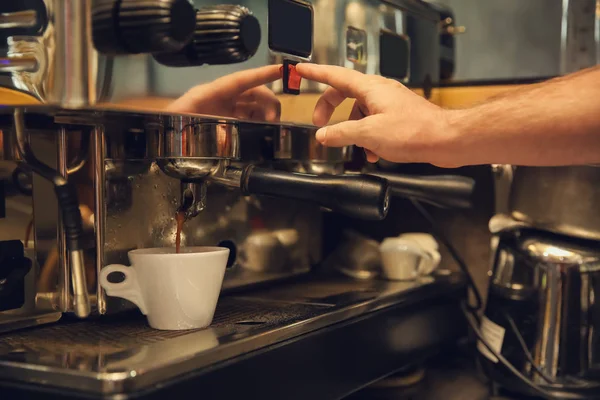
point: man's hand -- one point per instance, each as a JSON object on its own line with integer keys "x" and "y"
{"x": 239, "y": 95}
{"x": 549, "y": 123}
{"x": 388, "y": 120}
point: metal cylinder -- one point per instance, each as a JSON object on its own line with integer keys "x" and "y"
{"x": 18, "y": 19}
{"x": 558, "y": 199}
{"x": 73, "y": 81}
{"x": 18, "y": 64}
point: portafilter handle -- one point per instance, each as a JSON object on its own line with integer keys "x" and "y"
{"x": 444, "y": 191}
{"x": 360, "y": 196}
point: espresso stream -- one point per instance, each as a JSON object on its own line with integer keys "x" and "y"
{"x": 180, "y": 218}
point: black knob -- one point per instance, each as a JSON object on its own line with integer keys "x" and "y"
{"x": 224, "y": 34}
{"x": 148, "y": 26}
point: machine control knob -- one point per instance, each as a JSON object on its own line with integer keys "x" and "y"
{"x": 225, "y": 34}
{"x": 148, "y": 26}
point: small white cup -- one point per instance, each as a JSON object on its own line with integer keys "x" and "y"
{"x": 409, "y": 256}
{"x": 174, "y": 290}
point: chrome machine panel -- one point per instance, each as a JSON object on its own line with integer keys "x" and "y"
{"x": 102, "y": 55}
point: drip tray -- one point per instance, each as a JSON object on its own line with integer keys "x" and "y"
{"x": 120, "y": 354}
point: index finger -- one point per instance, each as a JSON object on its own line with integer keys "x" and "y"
{"x": 350, "y": 83}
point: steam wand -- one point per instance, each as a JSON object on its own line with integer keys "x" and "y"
{"x": 71, "y": 216}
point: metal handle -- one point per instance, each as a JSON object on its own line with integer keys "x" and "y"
{"x": 444, "y": 191}
{"x": 18, "y": 19}
{"x": 18, "y": 64}
{"x": 359, "y": 196}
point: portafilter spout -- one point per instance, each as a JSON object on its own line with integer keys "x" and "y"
{"x": 192, "y": 200}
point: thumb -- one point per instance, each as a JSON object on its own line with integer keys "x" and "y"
{"x": 360, "y": 133}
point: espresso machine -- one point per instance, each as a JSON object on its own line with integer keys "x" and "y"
{"x": 95, "y": 162}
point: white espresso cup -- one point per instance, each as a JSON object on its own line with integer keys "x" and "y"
{"x": 409, "y": 256}
{"x": 174, "y": 290}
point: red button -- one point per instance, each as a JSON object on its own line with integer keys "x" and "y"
{"x": 294, "y": 79}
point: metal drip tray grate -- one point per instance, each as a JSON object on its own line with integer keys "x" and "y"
{"x": 121, "y": 353}
{"x": 108, "y": 335}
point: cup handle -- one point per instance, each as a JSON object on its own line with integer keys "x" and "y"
{"x": 128, "y": 289}
{"x": 429, "y": 262}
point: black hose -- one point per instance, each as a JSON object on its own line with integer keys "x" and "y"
{"x": 71, "y": 215}
{"x": 65, "y": 192}
{"x": 539, "y": 390}
{"x": 523, "y": 345}
{"x": 459, "y": 261}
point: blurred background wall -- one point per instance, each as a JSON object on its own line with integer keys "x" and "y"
{"x": 504, "y": 39}
{"x": 507, "y": 38}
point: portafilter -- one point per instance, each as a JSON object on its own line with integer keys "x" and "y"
{"x": 211, "y": 152}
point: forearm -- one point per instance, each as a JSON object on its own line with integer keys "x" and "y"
{"x": 552, "y": 123}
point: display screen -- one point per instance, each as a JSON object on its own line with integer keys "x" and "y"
{"x": 394, "y": 55}
{"x": 291, "y": 27}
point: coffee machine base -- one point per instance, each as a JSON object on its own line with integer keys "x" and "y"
{"x": 319, "y": 337}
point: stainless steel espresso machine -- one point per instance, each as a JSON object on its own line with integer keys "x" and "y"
{"x": 95, "y": 163}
